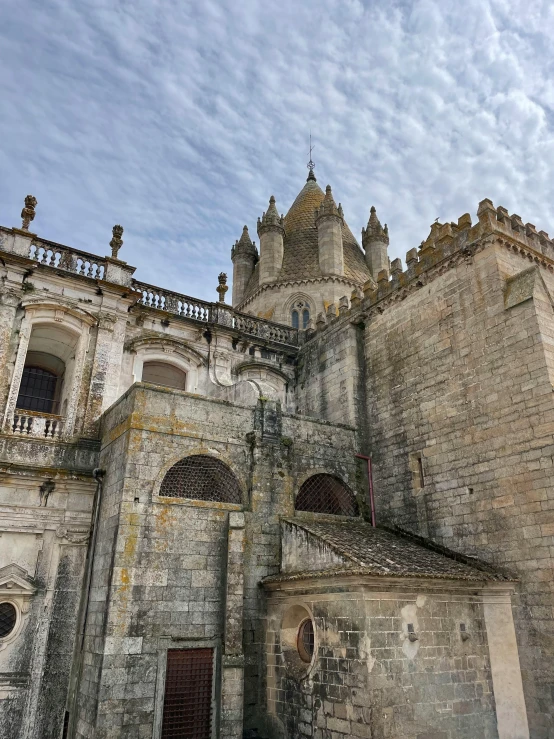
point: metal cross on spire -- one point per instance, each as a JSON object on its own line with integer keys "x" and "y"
{"x": 311, "y": 164}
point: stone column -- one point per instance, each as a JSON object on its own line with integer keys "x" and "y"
{"x": 232, "y": 678}
{"x": 24, "y": 337}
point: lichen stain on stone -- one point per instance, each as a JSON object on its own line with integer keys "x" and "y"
{"x": 365, "y": 652}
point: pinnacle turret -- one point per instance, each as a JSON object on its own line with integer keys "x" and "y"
{"x": 271, "y": 219}
{"x": 328, "y": 207}
{"x": 375, "y": 240}
{"x": 244, "y": 245}
{"x": 374, "y": 230}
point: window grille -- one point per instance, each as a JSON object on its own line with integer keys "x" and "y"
{"x": 326, "y": 494}
{"x": 8, "y": 618}
{"x": 188, "y": 694}
{"x": 201, "y": 477}
{"x": 37, "y": 390}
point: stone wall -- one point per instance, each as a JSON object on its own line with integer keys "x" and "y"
{"x": 43, "y": 544}
{"x": 461, "y": 413}
{"x": 367, "y": 678}
{"x": 159, "y": 576}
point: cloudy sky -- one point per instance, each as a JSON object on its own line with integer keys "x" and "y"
{"x": 179, "y": 119}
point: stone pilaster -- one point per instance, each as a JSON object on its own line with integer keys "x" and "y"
{"x": 9, "y": 301}
{"x": 104, "y": 384}
{"x": 232, "y": 683}
{"x": 24, "y": 336}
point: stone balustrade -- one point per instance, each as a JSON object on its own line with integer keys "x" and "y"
{"x": 180, "y": 305}
{"x": 217, "y": 313}
{"x": 266, "y": 330}
{"x": 62, "y": 257}
{"x": 38, "y": 425}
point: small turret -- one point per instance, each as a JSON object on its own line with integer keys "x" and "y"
{"x": 271, "y": 230}
{"x": 329, "y": 220}
{"x": 375, "y": 240}
{"x": 244, "y": 257}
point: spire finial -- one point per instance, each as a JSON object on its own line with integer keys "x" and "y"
{"x": 116, "y": 243}
{"x": 222, "y": 287}
{"x": 311, "y": 164}
{"x": 28, "y": 212}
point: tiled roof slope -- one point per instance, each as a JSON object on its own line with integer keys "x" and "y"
{"x": 300, "y": 257}
{"x": 380, "y": 551}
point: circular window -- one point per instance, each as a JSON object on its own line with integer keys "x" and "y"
{"x": 8, "y": 619}
{"x": 305, "y": 640}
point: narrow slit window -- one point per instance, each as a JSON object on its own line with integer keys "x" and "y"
{"x": 305, "y": 318}
{"x": 295, "y": 319}
{"x": 420, "y": 472}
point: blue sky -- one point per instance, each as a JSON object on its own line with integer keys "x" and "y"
{"x": 179, "y": 119}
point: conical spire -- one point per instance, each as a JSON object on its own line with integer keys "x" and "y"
{"x": 270, "y": 219}
{"x": 374, "y": 230}
{"x": 244, "y": 245}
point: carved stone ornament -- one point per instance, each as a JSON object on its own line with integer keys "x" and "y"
{"x": 15, "y": 588}
{"x": 107, "y": 321}
{"x": 74, "y": 535}
{"x": 28, "y": 212}
{"x": 222, "y": 287}
{"x": 116, "y": 243}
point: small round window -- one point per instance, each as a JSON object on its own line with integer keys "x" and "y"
{"x": 8, "y": 619}
{"x": 305, "y": 641}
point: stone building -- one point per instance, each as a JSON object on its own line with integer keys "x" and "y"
{"x": 326, "y": 511}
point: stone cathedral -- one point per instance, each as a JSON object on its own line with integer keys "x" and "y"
{"x": 321, "y": 508}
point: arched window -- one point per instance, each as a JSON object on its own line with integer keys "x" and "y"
{"x": 201, "y": 477}
{"x": 295, "y": 319}
{"x": 326, "y": 494}
{"x": 163, "y": 373}
{"x": 305, "y": 318}
{"x": 37, "y": 391}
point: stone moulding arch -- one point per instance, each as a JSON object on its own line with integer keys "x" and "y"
{"x": 169, "y": 351}
{"x": 301, "y": 479}
{"x": 299, "y": 482}
{"x": 196, "y": 452}
{"x": 61, "y": 314}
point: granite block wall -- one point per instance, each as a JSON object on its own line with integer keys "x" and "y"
{"x": 369, "y": 680}
{"x": 461, "y": 421}
{"x": 163, "y": 567}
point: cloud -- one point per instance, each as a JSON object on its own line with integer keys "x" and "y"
{"x": 179, "y": 120}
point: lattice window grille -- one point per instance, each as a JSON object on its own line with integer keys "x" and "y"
{"x": 187, "y": 710}
{"x": 326, "y": 494}
{"x": 201, "y": 477}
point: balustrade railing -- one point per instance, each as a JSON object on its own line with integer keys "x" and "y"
{"x": 181, "y": 305}
{"x": 218, "y": 313}
{"x": 38, "y": 425}
{"x": 72, "y": 260}
{"x": 267, "y": 330}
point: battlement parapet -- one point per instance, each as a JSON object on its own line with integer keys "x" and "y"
{"x": 447, "y": 245}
